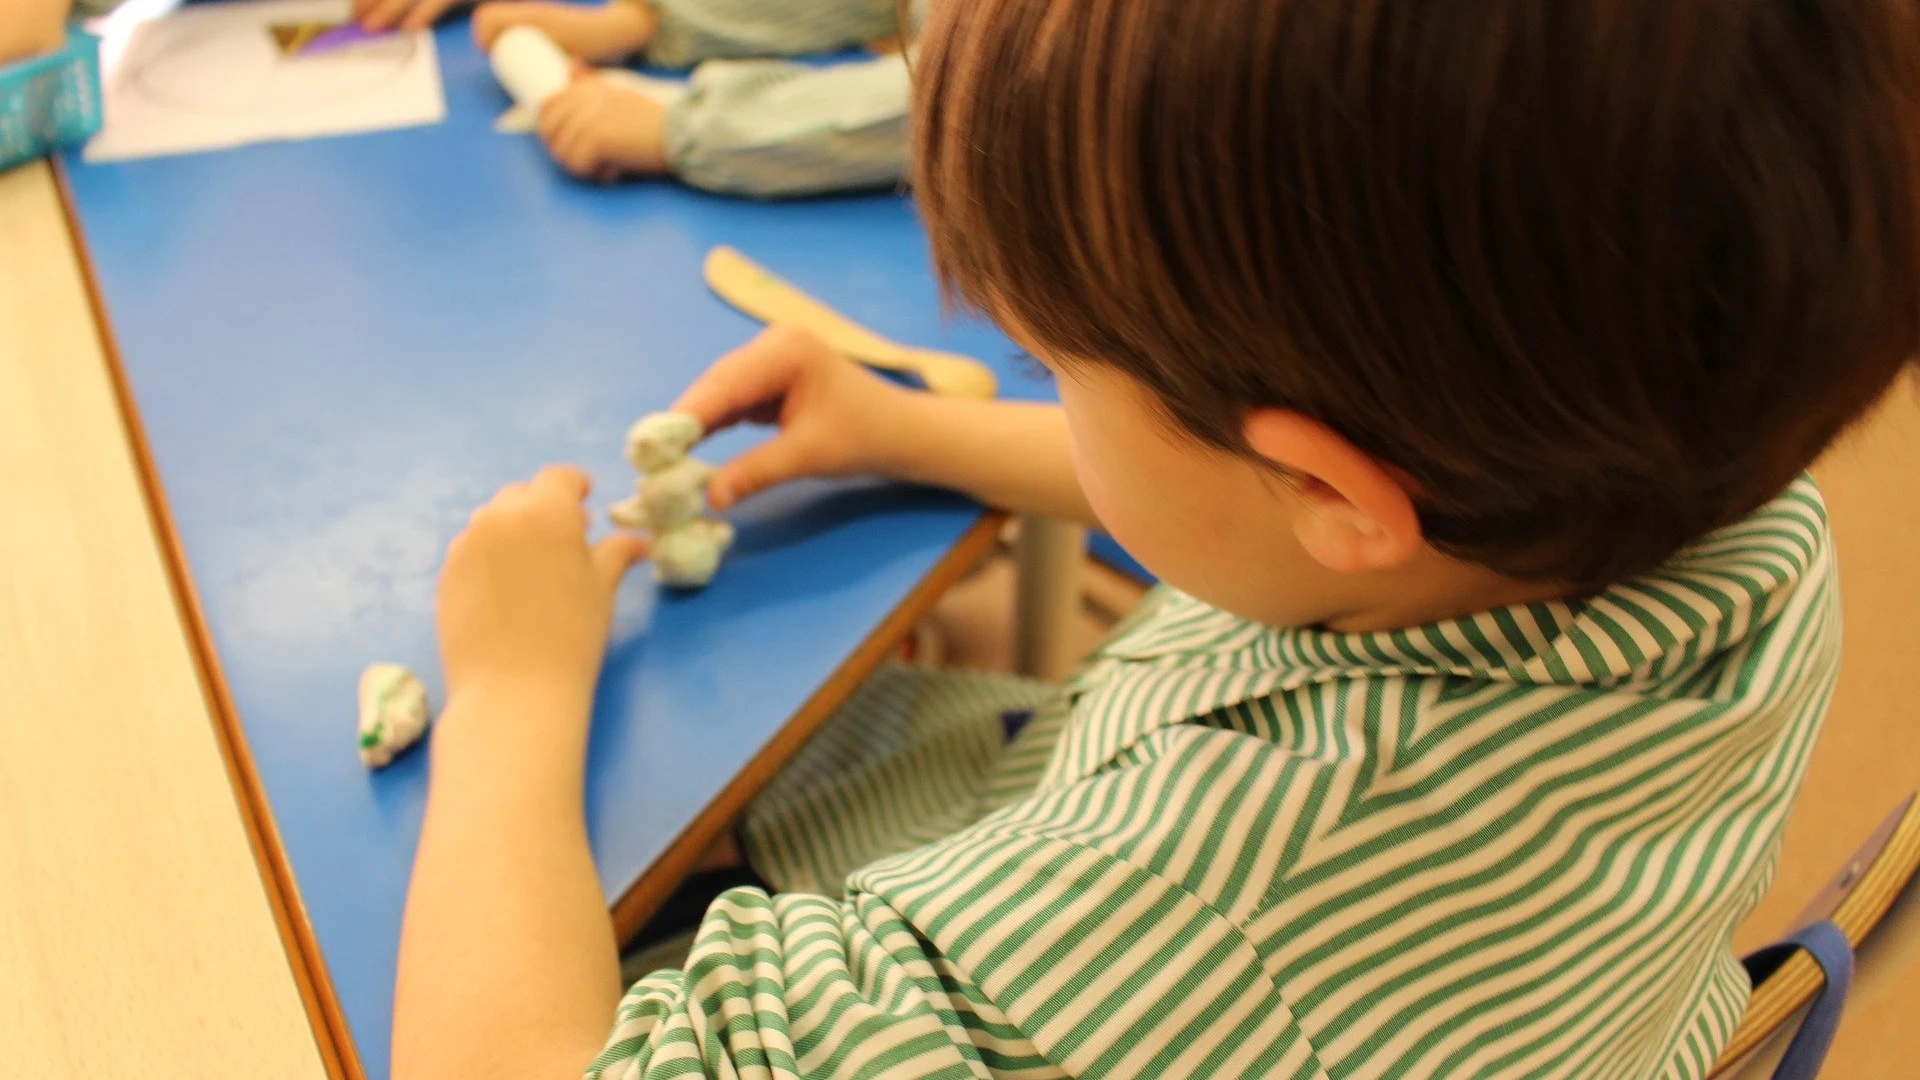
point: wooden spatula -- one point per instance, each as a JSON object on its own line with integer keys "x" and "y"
{"x": 746, "y": 285}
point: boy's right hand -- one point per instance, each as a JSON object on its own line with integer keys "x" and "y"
{"x": 836, "y": 418}
{"x": 600, "y": 131}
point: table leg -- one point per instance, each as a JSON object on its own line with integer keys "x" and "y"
{"x": 1049, "y": 554}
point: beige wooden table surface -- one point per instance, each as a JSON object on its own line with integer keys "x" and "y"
{"x": 136, "y": 934}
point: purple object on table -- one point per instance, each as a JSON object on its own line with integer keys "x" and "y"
{"x": 337, "y": 37}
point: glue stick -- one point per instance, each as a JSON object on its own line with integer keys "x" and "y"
{"x": 530, "y": 66}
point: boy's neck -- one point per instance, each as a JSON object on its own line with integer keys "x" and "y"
{"x": 1435, "y": 589}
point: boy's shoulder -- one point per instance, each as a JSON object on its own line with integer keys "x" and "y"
{"x": 1563, "y": 798}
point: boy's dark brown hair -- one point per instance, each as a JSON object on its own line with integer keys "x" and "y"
{"x": 1598, "y": 275}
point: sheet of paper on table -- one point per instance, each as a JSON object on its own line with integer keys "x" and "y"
{"x": 209, "y": 77}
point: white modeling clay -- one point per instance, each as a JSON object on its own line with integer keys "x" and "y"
{"x": 393, "y": 712}
{"x": 530, "y": 66}
{"x": 676, "y": 494}
{"x": 658, "y": 440}
{"x": 518, "y": 120}
{"x": 687, "y": 557}
{"x": 665, "y": 498}
{"x": 670, "y": 501}
{"x": 629, "y": 513}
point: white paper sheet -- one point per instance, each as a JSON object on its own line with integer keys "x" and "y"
{"x": 209, "y": 77}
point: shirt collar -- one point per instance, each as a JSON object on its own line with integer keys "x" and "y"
{"x": 1184, "y": 659}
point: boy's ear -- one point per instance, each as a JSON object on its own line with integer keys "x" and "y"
{"x": 1359, "y": 515}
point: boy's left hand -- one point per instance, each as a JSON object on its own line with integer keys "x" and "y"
{"x": 600, "y": 131}
{"x": 524, "y": 603}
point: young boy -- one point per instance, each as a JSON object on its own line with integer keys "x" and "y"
{"x": 1456, "y": 365}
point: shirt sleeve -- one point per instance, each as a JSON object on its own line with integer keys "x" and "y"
{"x": 801, "y": 985}
{"x": 690, "y": 31}
{"x": 771, "y": 129}
{"x": 1038, "y": 944}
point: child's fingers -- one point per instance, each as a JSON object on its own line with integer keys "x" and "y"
{"x": 413, "y": 19}
{"x": 616, "y": 553}
{"x": 775, "y": 461}
{"x": 574, "y": 150}
{"x": 565, "y": 154}
{"x": 569, "y": 134}
{"x": 503, "y": 500}
{"x": 561, "y": 111}
{"x": 559, "y": 144}
{"x": 566, "y": 482}
{"x": 552, "y": 115}
{"x": 580, "y": 145}
{"x": 741, "y": 382}
{"x": 382, "y": 15}
{"x": 424, "y": 14}
{"x": 490, "y": 21}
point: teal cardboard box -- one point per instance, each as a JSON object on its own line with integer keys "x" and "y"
{"x": 50, "y": 101}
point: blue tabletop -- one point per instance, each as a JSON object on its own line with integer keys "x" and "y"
{"x": 340, "y": 347}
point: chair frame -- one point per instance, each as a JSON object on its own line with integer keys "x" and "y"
{"x": 1856, "y": 900}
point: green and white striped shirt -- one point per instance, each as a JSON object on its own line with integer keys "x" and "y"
{"x": 753, "y": 125}
{"x": 1509, "y": 845}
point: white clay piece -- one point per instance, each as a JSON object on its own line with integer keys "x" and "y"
{"x": 689, "y": 556}
{"x": 393, "y": 712}
{"x": 660, "y": 439}
{"x": 629, "y": 513}
{"x": 517, "y": 120}
{"x": 531, "y": 68}
{"x": 675, "y": 495}
{"x": 670, "y": 501}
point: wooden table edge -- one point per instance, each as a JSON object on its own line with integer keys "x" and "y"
{"x": 657, "y": 882}
{"x": 644, "y": 896}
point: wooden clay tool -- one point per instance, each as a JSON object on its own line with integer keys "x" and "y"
{"x": 746, "y": 285}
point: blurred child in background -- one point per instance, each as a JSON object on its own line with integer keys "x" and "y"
{"x": 751, "y": 122}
